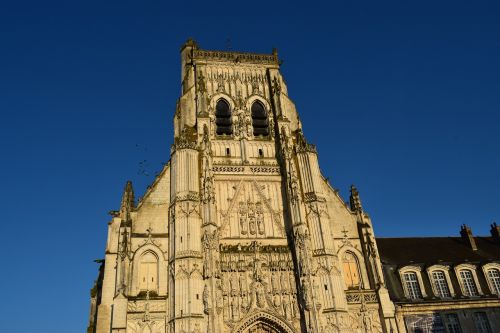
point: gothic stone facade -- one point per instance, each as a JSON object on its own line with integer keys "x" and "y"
{"x": 240, "y": 232}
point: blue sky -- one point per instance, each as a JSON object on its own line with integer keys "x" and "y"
{"x": 401, "y": 98}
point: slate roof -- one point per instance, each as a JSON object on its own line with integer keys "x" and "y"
{"x": 433, "y": 250}
{"x": 427, "y": 251}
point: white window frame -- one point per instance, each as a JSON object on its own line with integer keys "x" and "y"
{"x": 446, "y": 271}
{"x": 473, "y": 269}
{"x": 486, "y": 268}
{"x": 418, "y": 272}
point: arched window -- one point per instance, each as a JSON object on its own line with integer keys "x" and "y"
{"x": 148, "y": 272}
{"x": 440, "y": 284}
{"x": 412, "y": 285}
{"x": 223, "y": 120}
{"x": 260, "y": 122}
{"x": 468, "y": 283}
{"x": 351, "y": 271}
{"x": 494, "y": 276}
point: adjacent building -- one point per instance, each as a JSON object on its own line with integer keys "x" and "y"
{"x": 240, "y": 231}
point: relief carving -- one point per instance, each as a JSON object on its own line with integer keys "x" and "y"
{"x": 257, "y": 278}
{"x": 186, "y": 139}
{"x": 250, "y": 213}
{"x": 207, "y": 304}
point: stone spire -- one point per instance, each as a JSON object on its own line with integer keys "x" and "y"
{"x": 354, "y": 200}
{"x": 127, "y": 204}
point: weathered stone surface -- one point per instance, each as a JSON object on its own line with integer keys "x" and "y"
{"x": 240, "y": 232}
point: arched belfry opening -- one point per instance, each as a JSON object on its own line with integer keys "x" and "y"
{"x": 223, "y": 120}
{"x": 260, "y": 122}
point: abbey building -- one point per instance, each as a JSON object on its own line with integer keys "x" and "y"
{"x": 240, "y": 232}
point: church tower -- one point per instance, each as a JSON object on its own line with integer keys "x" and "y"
{"x": 240, "y": 232}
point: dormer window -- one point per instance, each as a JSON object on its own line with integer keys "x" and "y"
{"x": 412, "y": 286}
{"x": 223, "y": 121}
{"x": 411, "y": 279}
{"x": 439, "y": 276}
{"x": 467, "y": 278}
{"x": 440, "y": 284}
{"x": 494, "y": 278}
{"x": 260, "y": 122}
{"x": 468, "y": 283}
{"x": 492, "y": 273}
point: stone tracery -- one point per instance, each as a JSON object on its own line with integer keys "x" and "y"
{"x": 246, "y": 241}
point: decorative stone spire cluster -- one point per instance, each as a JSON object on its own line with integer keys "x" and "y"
{"x": 246, "y": 228}
{"x": 128, "y": 203}
{"x": 355, "y": 200}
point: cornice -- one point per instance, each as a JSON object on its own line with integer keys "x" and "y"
{"x": 243, "y": 57}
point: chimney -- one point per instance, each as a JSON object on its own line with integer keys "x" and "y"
{"x": 467, "y": 236}
{"x": 495, "y": 231}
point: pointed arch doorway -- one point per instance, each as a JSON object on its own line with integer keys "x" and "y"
{"x": 263, "y": 322}
{"x": 263, "y": 327}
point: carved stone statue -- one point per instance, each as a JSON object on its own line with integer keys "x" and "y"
{"x": 206, "y": 300}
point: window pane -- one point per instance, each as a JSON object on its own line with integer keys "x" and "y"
{"x": 440, "y": 284}
{"x": 412, "y": 286}
{"x": 494, "y": 276}
{"x": 470, "y": 288}
{"x": 453, "y": 323}
{"x": 482, "y": 323}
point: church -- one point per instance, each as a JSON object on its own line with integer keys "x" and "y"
{"x": 241, "y": 233}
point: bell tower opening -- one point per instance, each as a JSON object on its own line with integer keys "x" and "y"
{"x": 260, "y": 122}
{"x": 223, "y": 118}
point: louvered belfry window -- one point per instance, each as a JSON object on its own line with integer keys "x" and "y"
{"x": 260, "y": 122}
{"x": 223, "y": 120}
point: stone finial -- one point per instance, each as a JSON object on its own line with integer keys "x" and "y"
{"x": 302, "y": 144}
{"x": 186, "y": 139}
{"x": 127, "y": 204}
{"x": 190, "y": 43}
{"x": 466, "y": 233}
{"x": 355, "y": 200}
